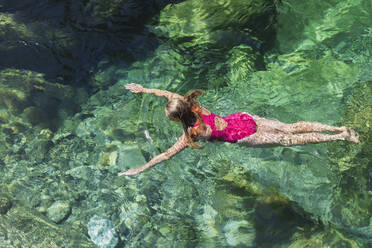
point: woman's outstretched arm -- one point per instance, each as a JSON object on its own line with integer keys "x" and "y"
{"x": 176, "y": 148}
{"x": 137, "y": 88}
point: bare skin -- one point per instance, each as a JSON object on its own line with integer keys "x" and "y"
{"x": 273, "y": 132}
{"x": 269, "y": 132}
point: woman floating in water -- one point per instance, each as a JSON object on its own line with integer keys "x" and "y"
{"x": 201, "y": 124}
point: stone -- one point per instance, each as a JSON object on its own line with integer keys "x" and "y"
{"x": 82, "y": 172}
{"x": 5, "y": 204}
{"x": 37, "y": 149}
{"x": 240, "y": 233}
{"x": 130, "y": 156}
{"x": 25, "y": 227}
{"x": 102, "y": 232}
{"x": 59, "y": 211}
{"x": 109, "y": 158}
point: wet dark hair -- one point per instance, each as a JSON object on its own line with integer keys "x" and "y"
{"x": 187, "y": 110}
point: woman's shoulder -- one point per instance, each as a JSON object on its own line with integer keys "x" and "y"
{"x": 202, "y": 132}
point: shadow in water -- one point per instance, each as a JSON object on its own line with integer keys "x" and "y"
{"x": 276, "y": 222}
{"x": 66, "y": 40}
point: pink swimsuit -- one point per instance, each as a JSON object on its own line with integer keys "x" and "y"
{"x": 239, "y": 126}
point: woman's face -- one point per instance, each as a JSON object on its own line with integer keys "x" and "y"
{"x": 170, "y": 117}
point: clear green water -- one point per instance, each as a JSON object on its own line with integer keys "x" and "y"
{"x": 69, "y": 126}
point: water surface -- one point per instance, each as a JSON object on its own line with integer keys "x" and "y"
{"x": 69, "y": 126}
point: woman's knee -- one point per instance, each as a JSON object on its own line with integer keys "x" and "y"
{"x": 287, "y": 140}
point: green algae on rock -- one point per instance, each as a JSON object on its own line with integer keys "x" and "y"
{"x": 322, "y": 238}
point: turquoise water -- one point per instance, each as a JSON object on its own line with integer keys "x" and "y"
{"x": 69, "y": 126}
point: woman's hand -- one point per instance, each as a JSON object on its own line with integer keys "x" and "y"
{"x": 135, "y": 88}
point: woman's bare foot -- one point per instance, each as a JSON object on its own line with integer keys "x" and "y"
{"x": 353, "y": 136}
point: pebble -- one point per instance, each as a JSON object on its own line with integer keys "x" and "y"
{"x": 5, "y": 204}
{"x": 59, "y": 211}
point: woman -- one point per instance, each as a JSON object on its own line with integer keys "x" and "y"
{"x": 200, "y": 124}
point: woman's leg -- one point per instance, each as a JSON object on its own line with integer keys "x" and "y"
{"x": 272, "y": 132}
{"x": 298, "y": 127}
{"x": 288, "y": 139}
{"x": 306, "y": 127}
{"x": 310, "y": 138}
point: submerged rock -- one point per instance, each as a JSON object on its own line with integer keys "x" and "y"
{"x": 206, "y": 34}
{"x": 214, "y": 24}
{"x": 130, "y": 156}
{"x": 22, "y": 226}
{"x": 37, "y": 149}
{"x": 240, "y": 233}
{"x": 324, "y": 238}
{"x": 102, "y": 232}
{"x": 5, "y": 204}
{"x": 31, "y": 44}
{"x": 29, "y": 97}
{"x": 59, "y": 211}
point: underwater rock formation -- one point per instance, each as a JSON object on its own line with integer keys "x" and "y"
{"x": 23, "y": 226}
{"x": 68, "y": 40}
{"x": 28, "y": 97}
{"x": 212, "y": 28}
